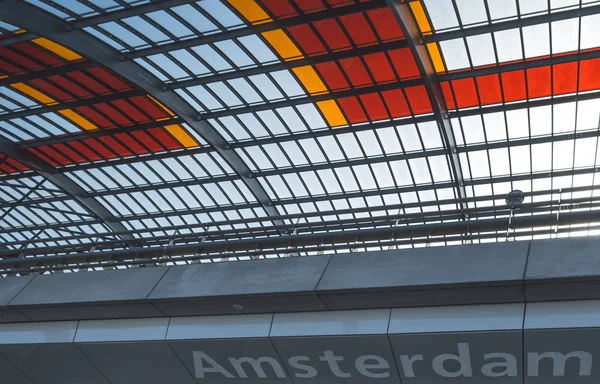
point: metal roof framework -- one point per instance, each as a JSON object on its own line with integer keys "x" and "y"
{"x": 128, "y": 127}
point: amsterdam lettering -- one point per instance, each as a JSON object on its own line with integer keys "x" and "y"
{"x": 446, "y": 365}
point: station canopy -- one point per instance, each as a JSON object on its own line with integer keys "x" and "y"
{"x": 137, "y": 132}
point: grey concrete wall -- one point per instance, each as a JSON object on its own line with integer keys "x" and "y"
{"x": 562, "y": 269}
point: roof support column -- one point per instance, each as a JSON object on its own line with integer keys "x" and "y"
{"x": 410, "y": 29}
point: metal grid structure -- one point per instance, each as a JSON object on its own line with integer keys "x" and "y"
{"x": 138, "y": 132}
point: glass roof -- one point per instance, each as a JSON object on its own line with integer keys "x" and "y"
{"x": 245, "y": 121}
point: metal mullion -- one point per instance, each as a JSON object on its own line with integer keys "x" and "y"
{"x": 254, "y": 88}
{"x": 253, "y": 163}
{"x": 52, "y": 227}
{"x": 161, "y": 28}
{"x": 224, "y": 127}
{"x": 350, "y": 86}
{"x": 154, "y": 205}
{"x": 287, "y": 185}
{"x": 22, "y": 198}
{"x": 243, "y": 48}
{"x": 84, "y": 87}
{"x": 17, "y": 103}
{"x": 181, "y": 20}
{"x": 139, "y": 109}
{"x": 142, "y": 205}
{"x": 104, "y": 173}
{"x": 320, "y": 181}
{"x": 117, "y": 196}
{"x": 140, "y": 174}
{"x": 102, "y": 31}
{"x": 280, "y": 119}
{"x": 178, "y": 63}
{"x": 210, "y": 17}
{"x": 70, "y": 105}
{"x": 236, "y": 93}
{"x": 136, "y": 33}
{"x": 41, "y": 128}
{"x": 9, "y": 214}
{"x": 487, "y": 150}
{"x": 577, "y": 85}
{"x": 46, "y": 73}
{"x": 595, "y": 164}
{"x": 119, "y": 185}
{"x": 362, "y": 150}
{"x": 189, "y": 190}
{"x": 195, "y": 55}
{"x": 62, "y": 212}
{"x": 297, "y": 100}
{"x": 521, "y": 65}
{"x": 80, "y": 136}
{"x": 197, "y": 100}
{"x": 217, "y": 185}
{"x": 257, "y": 29}
{"x": 372, "y": 78}
{"x": 279, "y": 89}
{"x": 520, "y": 21}
{"x": 212, "y": 200}
{"x": 133, "y": 154}
{"x": 83, "y": 182}
{"x": 327, "y": 165}
{"x": 183, "y": 165}
{"x": 171, "y": 206}
{"x": 264, "y": 152}
{"x": 18, "y": 126}
{"x": 90, "y": 4}
{"x": 281, "y": 65}
{"x": 551, "y": 94}
{"x": 178, "y": 180}
{"x": 268, "y": 183}
{"x": 128, "y": 10}
{"x": 221, "y": 168}
{"x": 401, "y": 206}
{"x": 30, "y": 212}
{"x": 157, "y": 68}
{"x": 42, "y": 64}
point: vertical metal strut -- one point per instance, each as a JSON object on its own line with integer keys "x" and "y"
{"x": 414, "y": 38}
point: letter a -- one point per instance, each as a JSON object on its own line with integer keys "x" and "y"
{"x": 463, "y": 358}
{"x": 509, "y": 364}
{"x": 200, "y": 369}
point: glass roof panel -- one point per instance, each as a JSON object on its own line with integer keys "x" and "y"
{"x": 291, "y": 117}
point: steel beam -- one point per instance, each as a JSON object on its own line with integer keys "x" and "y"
{"x": 258, "y": 221}
{"x": 315, "y": 226}
{"x": 438, "y": 102}
{"x": 288, "y": 65}
{"x": 33, "y": 19}
{"x": 345, "y": 195}
{"x": 344, "y": 238}
{"x": 523, "y": 65}
{"x": 71, "y": 104}
{"x": 98, "y": 133}
{"x": 516, "y": 23}
{"x": 60, "y": 70}
{"x": 126, "y": 12}
{"x": 17, "y": 38}
{"x": 351, "y": 129}
{"x": 255, "y": 29}
{"x": 354, "y": 92}
{"x": 61, "y": 181}
{"x": 411, "y": 31}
